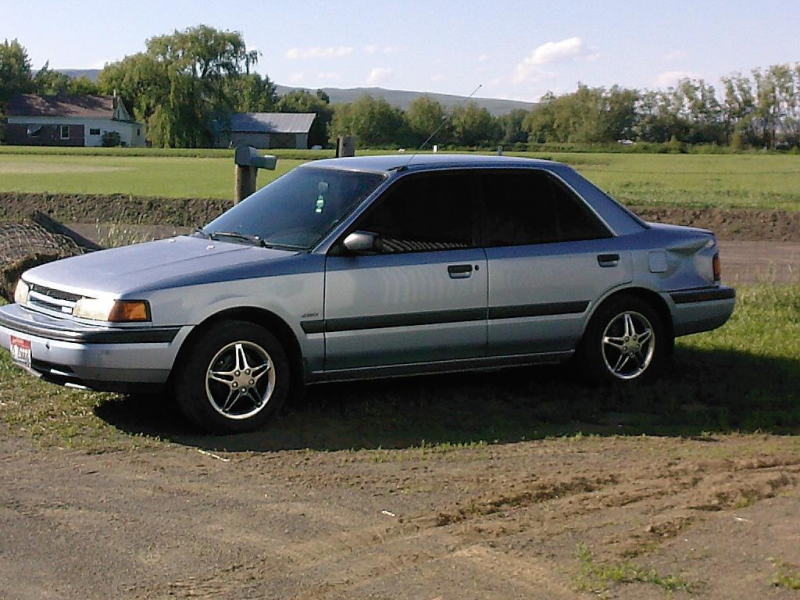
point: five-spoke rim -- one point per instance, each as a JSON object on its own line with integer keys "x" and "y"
{"x": 240, "y": 380}
{"x": 628, "y": 345}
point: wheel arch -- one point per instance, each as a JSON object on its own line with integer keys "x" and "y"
{"x": 259, "y": 316}
{"x": 652, "y": 297}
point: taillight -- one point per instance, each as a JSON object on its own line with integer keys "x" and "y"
{"x": 717, "y": 267}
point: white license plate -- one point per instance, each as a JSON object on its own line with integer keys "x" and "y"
{"x": 21, "y": 351}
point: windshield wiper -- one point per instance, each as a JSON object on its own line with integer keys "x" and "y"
{"x": 250, "y": 239}
{"x": 202, "y": 232}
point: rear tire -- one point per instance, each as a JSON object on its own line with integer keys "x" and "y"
{"x": 235, "y": 378}
{"x": 626, "y": 341}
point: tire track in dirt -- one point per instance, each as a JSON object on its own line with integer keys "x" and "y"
{"x": 373, "y": 557}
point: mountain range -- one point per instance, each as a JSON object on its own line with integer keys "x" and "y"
{"x": 397, "y": 98}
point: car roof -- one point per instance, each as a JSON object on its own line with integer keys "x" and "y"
{"x": 421, "y": 162}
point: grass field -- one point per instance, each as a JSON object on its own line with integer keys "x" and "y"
{"x": 744, "y": 377}
{"x": 723, "y": 181}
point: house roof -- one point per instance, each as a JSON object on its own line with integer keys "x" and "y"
{"x": 90, "y": 107}
{"x": 272, "y": 122}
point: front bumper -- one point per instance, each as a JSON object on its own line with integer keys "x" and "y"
{"x": 701, "y": 309}
{"x": 95, "y": 357}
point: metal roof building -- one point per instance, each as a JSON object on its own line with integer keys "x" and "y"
{"x": 267, "y": 130}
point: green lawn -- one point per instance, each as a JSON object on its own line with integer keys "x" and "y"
{"x": 693, "y": 180}
{"x": 137, "y": 176}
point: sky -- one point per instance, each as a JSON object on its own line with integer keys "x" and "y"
{"x": 514, "y": 49}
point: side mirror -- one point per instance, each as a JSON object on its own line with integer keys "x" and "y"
{"x": 361, "y": 241}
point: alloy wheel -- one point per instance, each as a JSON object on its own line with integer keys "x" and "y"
{"x": 240, "y": 380}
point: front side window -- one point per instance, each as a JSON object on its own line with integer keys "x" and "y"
{"x": 532, "y": 207}
{"x": 64, "y": 131}
{"x": 423, "y": 212}
{"x": 298, "y": 209}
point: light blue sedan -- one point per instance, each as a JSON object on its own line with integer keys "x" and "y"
{"x": 372, "y": 267}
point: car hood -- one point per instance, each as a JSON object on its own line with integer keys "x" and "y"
{"x": 156, "y": 265}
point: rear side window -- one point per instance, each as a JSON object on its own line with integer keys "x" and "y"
{"x": 532, "y": 207}
{"x": 424, "y": 212}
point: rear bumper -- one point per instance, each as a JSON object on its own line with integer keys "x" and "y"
{"x": 701, "y": 309}
{"x": 100, "y": 358}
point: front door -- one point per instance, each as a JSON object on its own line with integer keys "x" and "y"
{"x": 421, "y": 296}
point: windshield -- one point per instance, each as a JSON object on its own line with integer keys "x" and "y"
{"x": 297, "y": 209}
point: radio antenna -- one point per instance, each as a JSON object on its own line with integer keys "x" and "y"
{"x": 445, "y": 120}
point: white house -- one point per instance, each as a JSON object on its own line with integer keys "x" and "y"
{"x": 70, "y": 121}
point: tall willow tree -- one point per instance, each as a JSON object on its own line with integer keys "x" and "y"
{"x": 180, "y": 84}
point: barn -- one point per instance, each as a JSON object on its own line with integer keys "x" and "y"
{"x": 71, "y": 121}
{"x": 267, "y": 130}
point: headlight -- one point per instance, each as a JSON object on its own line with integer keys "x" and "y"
{"x": 21, "y": 292}
{"x": 116, "y": 311}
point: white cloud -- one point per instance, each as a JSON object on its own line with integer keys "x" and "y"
{"x": 379, "y": 75}
{"x": 328, "y": 76}
{"x": 295, "y": 78}
{"x": 494, "y": 82}
{"x": 671, "y": 78}
{"x": 674, "y": 55}
{"x": 530, "y": 69}
{"x": 572, "y": 48}
{"x": 483, "y": 57}
{"x": 318, "y": 52}
{"x": 370, "y": 49}
{"x": 390, "y": 49}
{"x": 437, "y": 77}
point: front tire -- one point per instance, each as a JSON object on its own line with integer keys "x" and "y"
{"x": 626, "y": 341}
{"x": 235, "y": 378}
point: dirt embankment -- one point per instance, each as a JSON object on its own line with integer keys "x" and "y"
{"x": 731, "y": 224}
{"x": 728, "y": 224}
{"x": 115, "y": 208}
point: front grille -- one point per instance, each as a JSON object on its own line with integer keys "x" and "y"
{"x": 52, "y": 300}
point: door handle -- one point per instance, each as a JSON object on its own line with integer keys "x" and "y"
{"x": 608, "y": 260}
{"x": 459, "y": 271}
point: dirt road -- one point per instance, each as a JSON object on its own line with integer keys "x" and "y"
{"x": 711, "y": 518}
{"x": 760, "y": 262}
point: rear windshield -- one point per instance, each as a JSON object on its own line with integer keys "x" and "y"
{"x": 298, "y": 209}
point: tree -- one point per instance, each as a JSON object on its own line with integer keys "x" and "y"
{"x": 374, "y": 122}
{"x": 302, "y": 101}
{"x": 511, "y": 127}
{"x": 252, "y": 93}
{"x": 83, "y": 86}
{"x": 474, "y": 126}
{"x": 738, "y": 104}
{"x": 423, "y": 117}
{"x": 15, "y": 71}
{"x": 47, "y": 82}
{"x": 180, "y": 85}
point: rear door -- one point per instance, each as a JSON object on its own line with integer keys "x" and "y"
{"x": 422, "y": 297}
{"x": 550, "y": 258}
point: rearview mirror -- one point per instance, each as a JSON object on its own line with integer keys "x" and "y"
{"x": 361, "y": 241}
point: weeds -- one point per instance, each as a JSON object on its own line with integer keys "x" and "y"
{"x": 786, "y": 577}
{"x": 597, "y": 577}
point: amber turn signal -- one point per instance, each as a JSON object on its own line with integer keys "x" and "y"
{"x": 717, "y": 268}
{"x": 129, "y": 310}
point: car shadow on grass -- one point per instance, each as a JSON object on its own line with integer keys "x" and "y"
{"x": 701, "y": 392}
